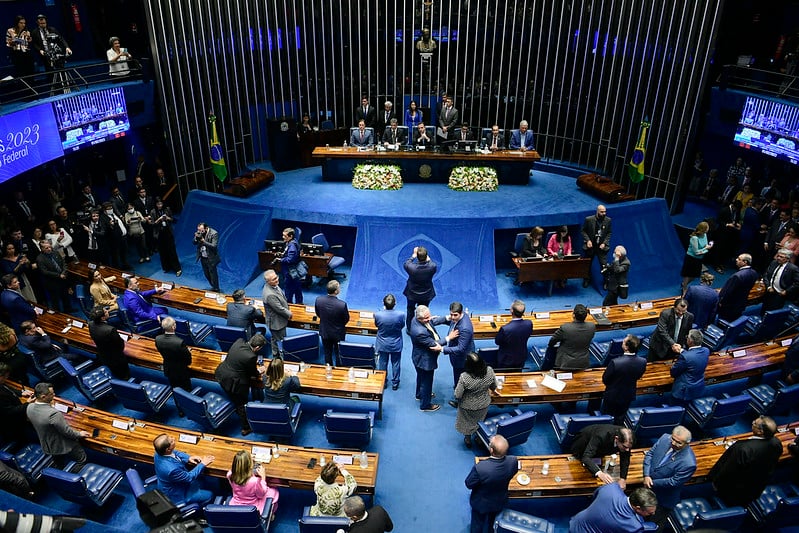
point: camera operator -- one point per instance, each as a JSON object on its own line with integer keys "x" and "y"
{"x": 50, "y": 44}
{"x": 206, "y": 239}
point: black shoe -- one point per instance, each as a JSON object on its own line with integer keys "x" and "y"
{"x": 181, "y": 414}
{"x": 467, "y": 440}
{"x": 586, "y": 283}
{"x": 395, "y": 387}
{"x": 433, "y": 407}
{"x": 453, "y": 403}
{"x": 245, "y": 432}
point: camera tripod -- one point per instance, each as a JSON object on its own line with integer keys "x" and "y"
{"x": 62, "y": 81}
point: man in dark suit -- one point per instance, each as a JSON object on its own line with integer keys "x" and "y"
{"x": 333, "y": 317}
{"x": 465, "y": 133}
{"x": 366, "y": 113}
{"x": 394, "y": 135}
{"x": 54, "y": 278}
{"x": 741, "y": 474}
{"x": 447, "y": 120}
{"x": 734, "y": 295}
{"x": 362, "y": 137}
{"x": 52, "y": 48}
{"x": 176, "y": 355}
{"x": 236, "y": 372}
{"x": 688, "y": 370}
{"x": 38, "y": 341}
{"x": 277, "y": 310}
{"x": 421, "y": 138}
{"x": 384, "y": 119}
{"x": 14, "y": 304}
{"x": 669, "y": 337}
{"x": 599, "y": 440}
{"x": 488, "y": 481}
{"x": 776, "y": 232}
{"x": 144, "y": 204}
{"x": 494, "y": 139}
{"x": 703, "y": 300}
{"x": 12, "y": 409}
{"x": 596, "y": 233}
{"x": 575, "y": 339}
{"x": 616, "y": 276}
{"x": 727, "y": 234}
{"x": 512, "y": 339}
{"x": 419, "y": 289}
{"x": 242, "y": 315}
{"x": 388, "y": 344}
{"x": 459, "y": 341}
{"x": 668, "y": 465}
{"x": 115, "y": 232}
{"x": 620, "y": 378}
{"x": 426, "y": 349}
{"x": 781, "y": 280}
{"x": 110, "y": 346}
{"x": 206, "y": 239}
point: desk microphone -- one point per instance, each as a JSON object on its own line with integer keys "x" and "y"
{"x": 783, "y": 332}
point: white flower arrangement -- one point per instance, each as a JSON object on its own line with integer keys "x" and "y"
{"x": 483, "y": 179}
{"x": 377, "y": 177}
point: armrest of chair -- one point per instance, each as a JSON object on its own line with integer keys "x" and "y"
{"x": 295, "y": 411}
{"x": 723, "y": 324}
{"x": 267, "y": 512}
{"x": 83, "y": 365}
{"x": 150, "y": 480}
{"x": 371, "y": 419}
{"x": 196, "y": 391}
{"x": 335, "y": 246}
{"x": 780, "y": 384}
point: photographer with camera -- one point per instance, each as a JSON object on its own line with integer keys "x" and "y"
{"x": 50, "y": 44}
{"x": 206, "y": 239}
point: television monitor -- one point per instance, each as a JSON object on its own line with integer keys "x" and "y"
{"x": 274, "y": 246}
{"x": 88, "y": 119}
{"x": 769, "y": 127}
{"x": 308, "y": 248}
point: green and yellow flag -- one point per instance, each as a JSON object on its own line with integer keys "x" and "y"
{"x": 636, "y": 168}
{"x": 217, "y": 154}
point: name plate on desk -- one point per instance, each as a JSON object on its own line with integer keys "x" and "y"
{"x": 188, "y": 439}
{"x": 77, "y": 323}
{"x": 38, "y": 310}
{"x": 60, "y": 407}
{"x": 366, "y": 314}
{"x": 554, "y": 384}
{"x": 211, "y": 295}
{"x": 646, "y": 305}
{"x": 92, "y": 266}
{"x": 361, "y": 373}
{"x": 786, "y": 342}
{"x": 123, "y": 337}
{"x": 119, "y": 424}
{"x": 125, "y": 275}
{"x": 292, "y": 368}
{"x": 342, "y": 459}
{"x": 66, "y": 329}
{"x": 531, "y": 383}
{"x": 542, "y": 316}
{"x": 484, "y": 318}
{"x": 738, "y": 353}
{"x": 564, "y": 375}
{"x": 309, "y": 309}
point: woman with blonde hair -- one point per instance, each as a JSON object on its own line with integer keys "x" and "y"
{"x": 697, "y": 248}
{"x": 279, "y": 386}
{"x": 250, "y": 488}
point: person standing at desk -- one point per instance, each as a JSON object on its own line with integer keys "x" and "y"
{"x": 688, "y": 370}
{"x": 599, "y": 440}
{"x": 289, "y": 259}
{"x": 419, "y": 289}
{"x": 573, "y": 340}
{"x": 621, "y": 378}
{"x": 277, "y": 311}
{"x": 488, "y": 481}
{"x": 206, "y": 239}
{"x": 333, "y": 317}
{"x": 596, "y": 233}
{"x": 703, "y": 300}
{"x": 512, "y": 339}
{"x": 110, "y": 346}
{"x": 57, "y": 438}
{"x": 447, "y": 120}
{"x": 668, "y": 465}
{"x": 671, "y": 331}
{"x": 388, "y": 343}
{"x": 522, "y": 139}
{"x": 176, "y": 356}
{"x": 237, "y": 371}
{"x": 616, "y": 275}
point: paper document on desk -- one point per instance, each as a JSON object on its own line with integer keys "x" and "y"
{"x": 554, "y": 384}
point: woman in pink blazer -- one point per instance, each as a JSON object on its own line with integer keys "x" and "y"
{"x": 249, "y": 488}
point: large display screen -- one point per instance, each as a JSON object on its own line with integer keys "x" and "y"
{"x": 769, "y": 127}
{"x": 28, "y": 138}
{"x": 88, "y": 119}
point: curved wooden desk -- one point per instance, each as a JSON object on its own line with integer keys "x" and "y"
{"x": 362, "y": 322}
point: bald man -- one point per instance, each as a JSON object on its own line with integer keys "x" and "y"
{"x": 488, "y": 481}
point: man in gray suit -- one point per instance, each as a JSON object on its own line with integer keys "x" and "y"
{"x": 277, "y": 311}
{"x": 673, "y": 326}
{"x": 206, "y": 239}
{"x": 56, "y": 436}
{"x": 575, "y": 339}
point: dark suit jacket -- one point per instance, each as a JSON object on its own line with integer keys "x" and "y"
{"x": 368, "y": 138}
{"x": 741, "y": 474}
{"x": 776, "y": 233}
{"x": 703, "y": 301}
{"x": 575, "y": 339}
{"x": 17, "y": 307}
{"x": 448, "y": 120}
{"x": 421, "y": 142}
{"x": 110, "y": 348}
{"x": 419, "y": 287}
{"x": 789, "y": 281}
{"x": 589, "y": 231}
{"x": 512, "y": 342}
{"x": 38, "y": 43}
{"x": 381, "y": 122}
{"x": 422, "y": 340}
{"x": 40, "y": 345}
{"x": 734, "y": 295}
{"x": 489, "y": 140}
{"x": 489, "y": 480}
{"x": 689, "y": 373}
{"x": 598, "y": 441}
{"x": 13, "y": 415}
{"x": 177, "y": 359}
{"x": 51, "y": 266}
{"x": 368, "y": 117}
{"x": 663, "y": 337}
{"x": 620, "y": 379}
{"x": 235, "y": 372}
{"x": 617, "y": 273}
{"x": 241, "y": 315}
{"x": 458, "y": 349}
{"x": 333, "y": 317}
{"x": 669, "y": 477}
{"x": 398, "y": 137}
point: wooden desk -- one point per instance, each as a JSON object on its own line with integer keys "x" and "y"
{"x": 141, "y": 351}
{"x": 551, "y": 270}
{"x": 512, "y": 166}
{"x": 575, "y": 480}
{"x": 587, "y": 384}
{"x": 361, "y": 323}
{"x": 317, "y": 264}
{"x": 288, "y": 470}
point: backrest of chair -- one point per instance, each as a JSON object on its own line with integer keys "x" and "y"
{"x": 303, "y": 347}
{"x": 519, "y": 242}
{"x": 654, "y": 421}
{"x": 234, "y": 518}
{"x": 785, "y": 399}
{"x": 358, "y": 355}
{"x": 355, "y": 130}
{"x": 349, "y": 428}
{"x": 727, "y": 410}
{"x": 431, "y": 132}
{"x": 30, "y": 460}
{"x": 489, "y": 355}
{"x": 727, "y": 519}
{"x": 268, "y": 413}
{"x": 69, "y": 486}
{"x": 131, "y": 395}
{"x": 320, "y": 239}
{"x": 579, "y": 422}
{"x": 516, "y": 429}
{"x": 774, "y": 321}
{"x": 323, "y": 524}
{"x": 192, "y": 405}
{"x": 182, "y": 328}
{"x": 85, "y": 301}
{"x": 735, "y": 328}
{"x": 227, "y": 335}
{"x": 326, "y": 125}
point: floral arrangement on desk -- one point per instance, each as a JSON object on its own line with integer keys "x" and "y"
{"x": 377, "y": 177}
{"x": 483, "y": 179}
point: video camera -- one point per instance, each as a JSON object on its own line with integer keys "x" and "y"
{"x": 54, "y": 52}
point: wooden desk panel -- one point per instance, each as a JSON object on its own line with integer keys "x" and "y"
{"x": 317, "y": 264}
{"x": 548, "y": 270}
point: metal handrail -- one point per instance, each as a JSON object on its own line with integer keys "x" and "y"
{"x": 776, "y": 84}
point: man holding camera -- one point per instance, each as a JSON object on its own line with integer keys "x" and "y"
{"x": 51, "y": 46}
{"x": 206, "y": 239}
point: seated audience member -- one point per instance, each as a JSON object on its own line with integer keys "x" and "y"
{"x": 279, "y": 386}
{"x": 522, "y": 139}
{"x": 533, "y": 245}
{"x": 376, "y": 520}
{"x": 242, "y": 315}
{"x": 14, "y": 482}
{"x": 37, "y": 341}
{"x": 101, "y": 292}
{"x": 362, "y": 137}
{"x": 420, "y": 136}
{"x": 512, "y": 339}
{"x": 494, "y": 140}
{"x": 703, "y": 300}
{"x": 612, "y": 510}
{"x": 394, "y": 136}
{"x": 465, "y": 133}
{"x": 177, "y": 472}
{"x": 573, "y": 340}
{"x": 599, "y": 440}
{"x": 329, "y": 494}
{"x": 560, "y": 243}
{"x": 137, "y": 302}
{"x": 249, "y": 486}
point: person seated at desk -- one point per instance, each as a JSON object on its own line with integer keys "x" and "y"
{"x": 305, "y": 126}
{"x": 177, "y": 472}
{"x": 242, "y": 315}
{"x": 249, "y": 485}
{"x": 533, "y": 245}
{"x": 465, "y": 133}
{"x": 138, "y": 304}
{"x": 393, "y": 135}
{"x": 330, "y": 495}
{"x": 420, "y": 137}
{"x": 37, "y": 341}
{"x": 494, "y": 139}
{"x": 522, "y": 139}
{"x": 560, "y": 244}
{"x": 101, "y": 292}
{"x": 362, "y": 138}
{"x": 279, "y": 386}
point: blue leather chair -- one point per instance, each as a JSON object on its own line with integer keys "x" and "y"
{"x": 139, "y": 487}
{"x": 146, "y": 396}
{"x": 515, "y": 427}
{"x": 85, "y": 301}
{"x": 357, "y": 355}
{"x": 238, "y": 518}
{"x": 335, "y": 261}
{"x": 355, "y": 128}
{"x": 322, "y": 524}
{"x": 715, "y": 337}
{"x": 274, "y": 419}
{"x": 489, "y": 355}
{"x": 353, "y": 430}
{"x": 767, "y": 326}
{"x": 302, "y": 347}
{"x": 652, "y": 422}
{"x": 776, "y": 507}
{"x": 209, "y": 408}
{"x": 93, "y": 384}
{"x": 47, "y": 371}
{"x": 227, "y": 335}
{"x": 93, "y": 485}
{"x": 147, "y": 328}
{"x": 193, "y": 333}
{"x": 518, "y": 244}
{"x": 327, "y": 125}
{"x": 567, "y": 427}
{"x": 710, "y": 412}
{"x": 697, "y": 513}
{"x": 29, "y": 460}
{"x": 766, "y": 400}
{"x": 603, "y": 352}
{"x": 510, "y": 521}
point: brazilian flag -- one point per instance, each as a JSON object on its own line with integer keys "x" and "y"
{"x": 217, "y": 154}
{"x": 636, "y": 168}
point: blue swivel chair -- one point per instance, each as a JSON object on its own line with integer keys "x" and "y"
{"x": 302, "y": 347}
{"x": 327, "y": 125}
{"x": 207, "y": 409}
{"x": 93, "y": 485}
{"x": 518, "y": 244}
{"x": 652, "y": 422}
{"x": 766, "y": 400}
{"x": 603, "y": 352}
{"x": 767, "y": 326}
{"x": 47, "y": 371}
{"x": 29, "y": 460}
{"x": 776, "y": 507}
{"x": 238, "y": 518}
{"x": 274, "y": 419}
{"x": 322, "y": 524}
{"x": 357, "y": 355}
{"x": 716, "y": 337}
{"x": 147, "y": 328}
{"x": 353, "y": 430}
{"x": 489, "y": 355}
{"x": 145, "y": 396}
{"x": 227, "y": 335}
{"x": 193, "y": 333}
{"x": 93, "y": 384}
{"x": 515, "y": 427}
{"x": 510, "y": 521}
{"x": 139, "y": 488}
{"x": 85, "y": 301}
{"x": 710, "y": 412}
{"x": 335, "y": 261}
{"x": 567, "y": 427}
{"x": 697, "y": 513}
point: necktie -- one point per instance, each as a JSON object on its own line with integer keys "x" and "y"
{"x": 677, "y": 324}
{"x": 433, "y": 331}
{"x": 666, "y": 457}
{"x": 56, "y": 267}
{"x": 494, "y": 144}
{"x": 361, "y": 136}
{"x": 25, "y": 208}
{"x": 93, "y": 238}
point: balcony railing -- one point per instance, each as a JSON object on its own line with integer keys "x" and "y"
{"x": 767, "y": 82}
